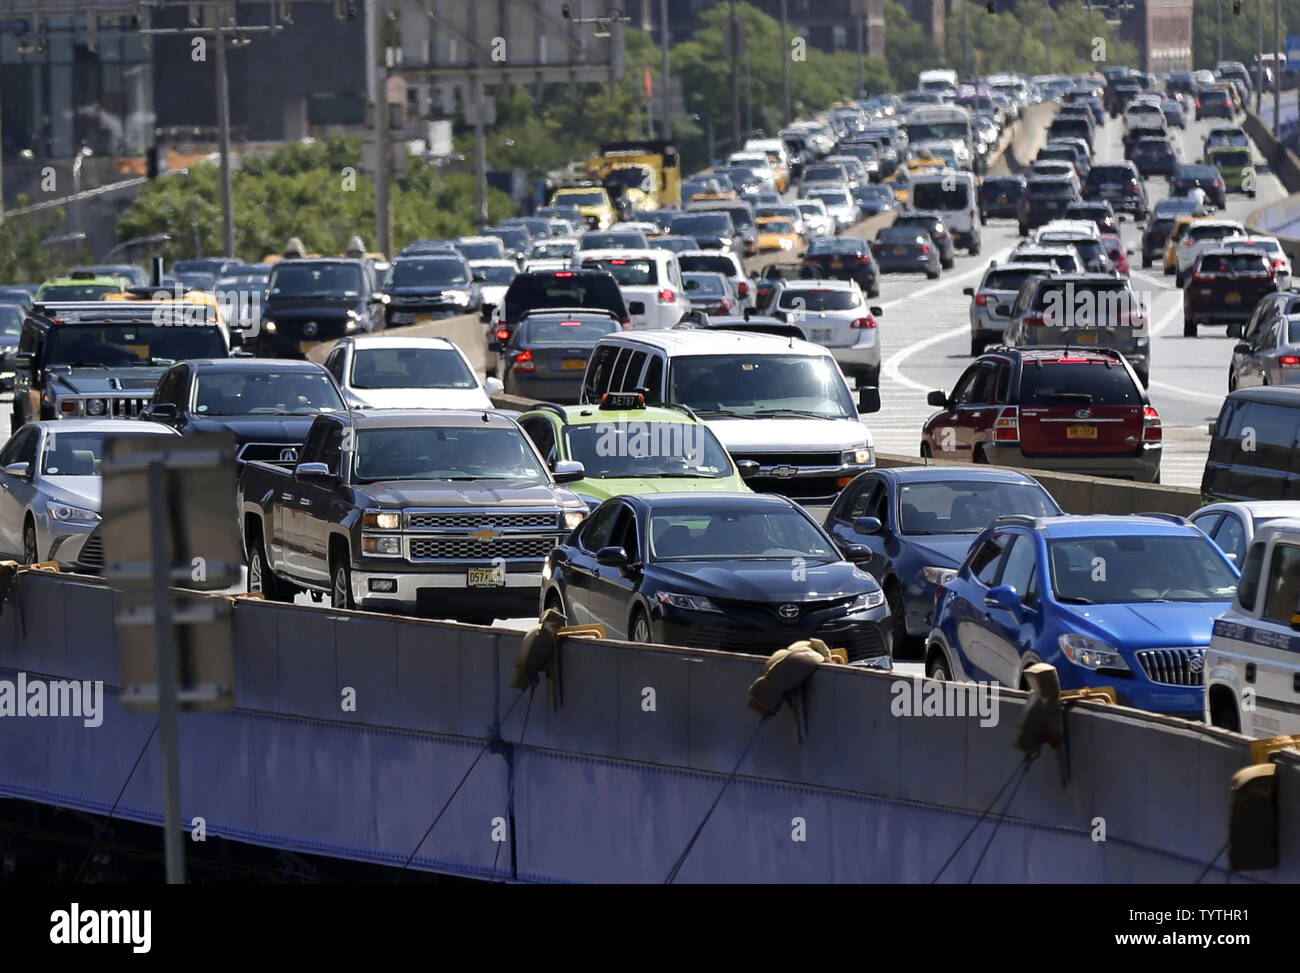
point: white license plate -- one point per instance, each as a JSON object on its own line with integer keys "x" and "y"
{"x": 821, "y": 335}
{"x": 487, "y": 577}
{"x": 424, "y": 319}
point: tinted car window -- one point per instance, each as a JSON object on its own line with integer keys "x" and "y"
{"x": 1057, "y": 382}
{"x": 563, "y": 289}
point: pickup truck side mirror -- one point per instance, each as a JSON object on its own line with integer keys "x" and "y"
{"x": 868, "y": 399}
{"x": 312, "y": 471}
{"x": 747, "y": 468}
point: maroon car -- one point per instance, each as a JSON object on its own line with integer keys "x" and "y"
{"x": 1065, "y": 410}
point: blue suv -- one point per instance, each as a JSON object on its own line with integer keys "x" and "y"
{"x": 1127, "y": 602}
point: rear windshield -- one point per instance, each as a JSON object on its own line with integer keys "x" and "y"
{"x": 1232, "y": 158}
{"x": 1087, "y": 382}
{"x": 715, "y": 223}
{"x": 1073, "y": 303}
{"x": 933, "y": 195}
{"x": 1008, "y": 279}
{"x": 706, "y": 265}
{"x": 1214, "y": 96}
{"x": 1050, "y": 190}
{"x": 566, "y": 332}
{"x": 628, "y": 272}
{"x": 1199, "y": 231}
{"x": 1235, "y": 263}
{"x": 1105, "y": 174}
{"x": 569, "y": 290}
{"x": 810, "y": 299}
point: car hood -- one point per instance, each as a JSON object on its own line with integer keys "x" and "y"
{"x": 254, "y": 429}
{"x": 132, "y": 378}
{"x": 764, "y": 581}
{"x": 78, "y": 491}
{"x": 789, "y": 435}
{"x": 481, "y": 493}
{"x": 474, "y": 398}
{"x": 603, "y": 489}
{"x": 1153, "y": 624}
{"x": 941, "y": 550}
{"x": 427, "y": 290}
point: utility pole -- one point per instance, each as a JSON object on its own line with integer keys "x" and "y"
{"x": 1277, "y": 65}
{"x": 862, "y": 64}
{"x": 965, "y": 37}
{"x": 785, "y": 65}
{"x": 223, "y": 137}
{"x": 1259, "y": 54}
{"x": 735, "y": 79}
{"x": 480, "y": 148}
{"x": 1047, "y": 32}
{"x": 666, "y": 126}
{"x": 749, "y": 95}
{"x": 383, "y": 162}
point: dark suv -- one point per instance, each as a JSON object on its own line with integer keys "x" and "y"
{"x": 1216, "y": 103}
{"x": 999, "y": 196}
{"x": 1224, "y": 286}
{"x": 844, "y": 258}
{"x": 1154, "y": 156}
{"x": 555, "y": 288}
{"x": 1044, "y": 200}
{"x": 313, "y": 300}
{"x": 1066, "y": 410}
{"x": 1207, "y": 178}
{"x": 933, "y": 224}
{"x": 432, "y": 286}
{"x": 1120, "y": 184}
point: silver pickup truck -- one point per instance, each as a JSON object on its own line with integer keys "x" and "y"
{"x": 436, "y": 513}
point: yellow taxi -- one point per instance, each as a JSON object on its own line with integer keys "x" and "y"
{"x": 778, "y": 233}
{"x": 1181, "y": 223}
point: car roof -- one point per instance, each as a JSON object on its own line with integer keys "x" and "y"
{"x": 817, "y": 284}
{"x": 626, "y": 253}
{"x": 384, "y": 341}
{"x": 711, "y": 342}
{"x": 587, "y": 415}
{"x": 1257, "y": 508}
{"x": 105, "y": 426}
{"x": 1091, "y": 525}
{"x": 673, "y": 501}
{"x": 256, "y": 364}
{"x": 1288, "y": 396}
{"x": 955, "y": 471}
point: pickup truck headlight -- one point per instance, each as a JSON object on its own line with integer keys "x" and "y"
{"x": 381, "y": 521}
{"x": 66, "y": 513}
{"x": 572, "y": 518}
{"x": 697, "y": 603}
{"x": 858, "y": 456}
{"x": 381, "y": 545}
{"x": 1090, "y": 653}
{"x": 268, "y": 325}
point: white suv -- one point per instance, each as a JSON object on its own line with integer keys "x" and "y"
{"x": 650, "y": 281}
{"x": 834, "y": 314}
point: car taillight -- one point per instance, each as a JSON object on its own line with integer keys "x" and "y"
{"x": 1151, "y": 432}
{"x": 627, "y": 323}
{"x": 925, "y": 248}
{"x": 743, "y": 289}
{"x": 1198, "y": 102}
{"x": 1007, "y": 427}
{"x": 1034, "y": 320}
{"x": 524, "y": 362}
{"x": 726, "y": 305}
{"x": 1133, "y": 190}
{"x": 1202, "y": 277}
{"x": 1188, "y": 241}
{"x": 867, "y": 322}
{"x": 1218, "y": 184}
{"x": 982, "y": 300}
{"x": 1289, "y": 361}
{"x": 1279, "y": 264}
{"x": 503, "y": 335}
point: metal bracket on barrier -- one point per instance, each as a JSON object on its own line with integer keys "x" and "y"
{"x": 798, "y": 702}
{"x": 555, "y": 671}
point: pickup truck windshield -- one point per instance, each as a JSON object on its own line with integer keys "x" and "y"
{"x": 410, "y": 368}
{"x": 793, "y": 386}
{"x": 609, "y": 450}
{"x": 116, "y": 346}
{"x": 76, "y": 292}
{"x": 315, "y": 280}
{"x": 250, "y": 393}
{"x": 445, "y": 453}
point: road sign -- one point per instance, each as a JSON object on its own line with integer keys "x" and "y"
{"x": 1293, "y": 52}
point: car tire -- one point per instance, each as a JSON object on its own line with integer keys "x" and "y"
{"x": 554, "y": 600}
{"x": 926, "y": 452}
{"x": 341, "y": 584}
{"x": 1232, "y": 380}
{"x": 261, "y": 580}
{"x": 932, "y": 274}
{"x": 901, "y": 645}
{"x": 980, "y": 456}
{"x": 1024, "y": 230}
{"x": 977, "y": 347}
{"x": 875, "y": 291}
{"x": 31, "y": 553}
{"x": 974, "y": 249}
{"x": 947, "y": 264}
{"x": 936, "y": 664}
{"x": 639, "y": 628}
{"x": 1143, "y": 377}
{"x": 1189, "y": 328}
{"x": 1146, "y": 263}
{"x": 1180, "y": 280}
{"x": 868, "y": 378}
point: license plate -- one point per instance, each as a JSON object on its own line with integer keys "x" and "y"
{"x": 487, "y": 577}
{"x": 1002, "y": 199}
{"x": 424, "y": 319}
{"x": 821, "y": 335}
{"x": 1232, "y": 299}
{"x": 1111, "y": 189}
{"x": 900, "y": 251}
{"x": 837, "y": 264}
{"x": 573, "y": 364}
{"x": 1081, "y": 432}
{"x": 1086, "y": 339}
{"x": 306, "y": 346}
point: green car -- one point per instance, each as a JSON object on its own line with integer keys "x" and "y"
{"x": 629, "y": 448}
{"x": 1235, "y": 166}
{"x": 80, "y": 287}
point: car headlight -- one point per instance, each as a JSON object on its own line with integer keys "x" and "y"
{"x": 859, "y": 456}
{"x": 268, "y": 325}
{"x": 1090, "y": 653}
{"x": 65, "y": 513}
{"x": 572, "y": 518}
{"x": 696, "y": 603}
{"x": 935, "y": 574}
{"x": 872, "y": 599}
{"x": 456, "y": 297}
{"x": 382, "y": 521}
{"x": 382, "y": 545}
{"x": 787, "y": 244}
{"x": 96, "y": 407}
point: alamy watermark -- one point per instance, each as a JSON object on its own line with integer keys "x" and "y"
{"x": 931, "y": 697}
{"x": 650, "y": 439}
{"x": 79, "y": 699}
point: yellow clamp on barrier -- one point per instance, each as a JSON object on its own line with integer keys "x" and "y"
{"x": 1261, "y": 751}
{"x": 593, "y": 631}
{"x": 1097, "y": 694}
{"x": 255, "y": 595}
{"x": 44, "y": 566}
{"x": 840, "y": 655}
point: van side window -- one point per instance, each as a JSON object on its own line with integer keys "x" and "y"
{"x": 620, "y": 370}
{"x": 597, "y": 380}
{"x": 1248, "y": 588}
{"x": 633, "y": 372}
{"x": 1282, "y": 599}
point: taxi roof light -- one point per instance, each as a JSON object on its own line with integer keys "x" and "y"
{"x": 622, "y": 400}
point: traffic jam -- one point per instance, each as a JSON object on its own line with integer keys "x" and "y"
{"x": 674, "y": 423}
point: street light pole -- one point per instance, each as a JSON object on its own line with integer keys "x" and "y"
{"x": 1277, "y": 65}
{"x": 1259, "y": 55}
{"x": 785, "y": 65}
{"x": 735, "y": 78}
{"x": 666, "y": 125}
{"x": 1047, "y": 32}
{"x": 1218, "y": 11}
{"x": 383, "y": 164}
{"x": 223, "y": 135}
{"x": 965, "y": 38}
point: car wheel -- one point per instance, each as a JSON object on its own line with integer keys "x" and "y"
{"x": 1146, "y": 263}
{"x": 1142, "y": 377}
{"x": 936, "y": 665}
{"x": 1232, "y": 380}
{"x": 1024, "y": 230}
{"x": 980, "y": 455}
{"x": 1167, "y": 270}
{"x": 1189, "y": 328}
{"x": 640, "y": 629}
{"x": 925, "y": 451}
{"x": 260, "y": 579}
{"x": 901, "y": 644}
{"x": 932, "y": 274}
{"x": 976, "y": 347}
{"x": 1180, "y": 280}
{"x": 947, "y": 264}
{"x": 974, "y": 249}
{"x": 553, "y": 600}
{"x": 875, "y": 291}
{"x": 30, "y": 553}
{"x": 341, "y": 590}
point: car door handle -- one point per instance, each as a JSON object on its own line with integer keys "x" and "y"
{"x": 286, "y": 496}
{"x": 305, "y": 501}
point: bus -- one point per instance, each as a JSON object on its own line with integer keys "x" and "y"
{"x": 939, "y": 126}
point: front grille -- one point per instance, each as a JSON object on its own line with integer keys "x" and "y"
{"x": 92, "y": 552}
{"x": 266, "y": 452}
{"x": 128, "y": 408}
{"x": 472, "y": 521}
{"x": 1174, "y": 667}
{"x": 861, "y": 642}
{"x": 805, "y": 488}
{"x": 444, "y": 549}
{"x": 790, "y": 459}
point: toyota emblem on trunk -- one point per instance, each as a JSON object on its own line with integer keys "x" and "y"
{"x": 788, "y": 611}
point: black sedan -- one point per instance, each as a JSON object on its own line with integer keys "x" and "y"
{"x": 844, "y": 258}
{"x": 546, "y": 356}
{"x": 999, "y": 196}
{"x": 905, "y": 251}
{"x": 917, "y": 523}
{"x": 737, "y": 572}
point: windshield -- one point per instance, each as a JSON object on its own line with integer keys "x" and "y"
{"x": 938, "y": 195}
{"x": 11, "y": 320}
{"x": 287, "y": 393}
{"x": 809, "y": 299}
{"x": 715, "y": 223}
{"x": 78, "y": 453}
{"x": 593, "y": 198}
{"x": 636, "y": 449}
{"x": 721, "y": 386}
{"x": 553, "y": 249}
{"x": 938, "y": 131}
{"x": 715, "y": 265}
{"x": 831, "y": 197}
{"x": 316, "y": 280}
{"x": 1232, "y": 158}
{"x": 75, "y": 292}
{"x": 119, "y": 345}
{"x": 482, "y": 250}
{"x": 776, "y": 226}
{"x": 628, "y": 272}
{"x": 496, "y": 275}
{"x": 967, "y": 507}
{"x": 410, "y": 368}
{"x": 705, "y": 285}
{"x": 1008, "y": 279}
{"x": 419, "y": 272}
{"x": 1139, "y": 569}
{"x": 1051, "y": 190}
{"x": 720, "y": 531}
{"x": 446, "y": 453}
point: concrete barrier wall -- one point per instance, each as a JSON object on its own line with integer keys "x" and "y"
{"x": 1027, "y": 137}
{"x": 611, "y": 785}
{"x": 466, "y": 330}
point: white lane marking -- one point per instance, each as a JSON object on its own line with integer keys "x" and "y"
{"x": 1187, "y": 393}
{"x": 948, "y": 282}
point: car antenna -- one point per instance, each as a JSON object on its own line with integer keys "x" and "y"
{"x": 485, "y": 416}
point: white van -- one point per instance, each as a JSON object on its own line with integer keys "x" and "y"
{"x": 951, "y": 193}
{"x": 650, "y": 281}
{"x": 1252, "y": 667}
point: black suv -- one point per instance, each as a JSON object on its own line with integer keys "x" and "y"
{"x": 1254, "y": 453}
{"x": 1154, "y": 156}
{"x": 1120, "y": 184}
{"x": 933, "y": 224}
{"x": 1208, "y": 178}
{"x": 1045, "y": 199}
{"x": 999, "y": 196}
{"x": 313, "y": 300}
{"x": 102, "y": 359}
{"x": 434, "y": 285}
{"x": 555, "y": 288}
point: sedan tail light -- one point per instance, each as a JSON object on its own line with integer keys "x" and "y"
{"x": 1151, "y": 431}
{"x": 1007, "y": 427}
{"x": 726, "y": 305}
{"x": 867, "y": 322}
{"x": 503, "y": 335}
{"x": 666, "y": 296}
{"x": 982, "y": 300}
{"x": 925, "y": 248}
{"x": 524, "y": 362}
{"x": 743, "y": 289}
{"x": 1289, "y": 361}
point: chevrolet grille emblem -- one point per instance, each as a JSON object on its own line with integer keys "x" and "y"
{"x": 784, "y": 472}
{"x": 485, "y": 534}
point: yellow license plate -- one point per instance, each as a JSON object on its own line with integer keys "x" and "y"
{"x": 306, "y": 346}
{"x": 1086, "y": 339}
{"x": 424, "y": 319}
{"x": 837, "y": 264}
{"x": 573, "y": 364}
{"x": 1002, "y": 199}
{"x": 900, "y": 251}
{"x": 1232, "y": 299}
{"x": 1081, "y": 432}
{"x": 487, "y": 578}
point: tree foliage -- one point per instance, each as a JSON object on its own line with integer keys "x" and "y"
{"x": 1013, "y": 40}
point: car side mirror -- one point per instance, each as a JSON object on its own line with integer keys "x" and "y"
{"x": 938, "y": 399}
{"x": 613, "y": 557}
{"x": 21, "y": 470}
{"x": 968, "y": 291}
{"x": 162, "y": 411}
{"x": 868, "y": 525}
{"x": 857, "y": 552}
{"x": 1241, "y": 348}
{"x": 876, "y": 310}
{"x": 568, "y": 471}
{"x": 493, "y": 386}
{"x": 747, "y": 468}
{"x": 1004, "y": 597}
{"x": 312, "y": 471}
{"x": 868, "y": 400}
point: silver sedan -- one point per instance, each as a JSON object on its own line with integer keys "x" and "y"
{"x": 50, "y": 488}
{"x": 1271, "y": 356}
